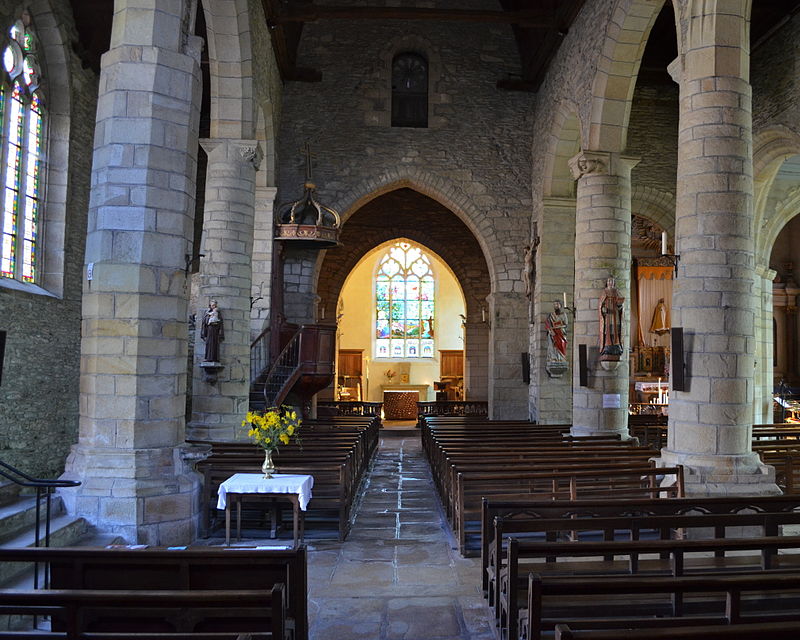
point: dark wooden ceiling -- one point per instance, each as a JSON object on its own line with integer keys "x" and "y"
{"x": 539, "y": 26}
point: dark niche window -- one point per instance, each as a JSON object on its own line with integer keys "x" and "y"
{"x": 409, "y": 90}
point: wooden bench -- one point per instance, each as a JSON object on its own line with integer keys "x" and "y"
{"x": 336, "y": 453}
{"x": 620, "y": 483}
{"x": 637, "y": 601}
{"x": 747, "y": 631}
{"x": 781, "y": 508}
{"x": 76, "y": 612}
{"x": 193, "y": 569}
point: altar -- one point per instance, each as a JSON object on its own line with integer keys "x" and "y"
{"x": 400, "y": 401}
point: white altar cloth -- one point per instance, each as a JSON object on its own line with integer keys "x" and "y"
{"x": 257, "y": 483}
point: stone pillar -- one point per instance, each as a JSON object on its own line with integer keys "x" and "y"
{"x": 551, "y": 397}
{"x": 710, "y": 422}
{"x": 764, "y": 376}
{"x": 508, "y": 340}
{"x": 263, "y": 233}
{"x": 299, "y": 300}
{"x": 220, "y": 400}
{"x": 476, "y": 358}
{"x": 134, "y": 330}
{"x": 602, "y": 249}
{"x": 779, "y": 302}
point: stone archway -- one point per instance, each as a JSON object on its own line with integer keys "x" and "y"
{"x": 404, "y": 212}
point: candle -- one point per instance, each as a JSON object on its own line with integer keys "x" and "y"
{"x": 483, "y": 314}
{"x": 664, "y": 243}
{"x": 322, "y": 313}
{"x": 564, "y": 293}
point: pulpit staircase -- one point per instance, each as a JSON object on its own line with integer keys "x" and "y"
{"x": 304, "y": 366}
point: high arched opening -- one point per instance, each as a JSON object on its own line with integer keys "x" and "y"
{"x": 406, "y": 213}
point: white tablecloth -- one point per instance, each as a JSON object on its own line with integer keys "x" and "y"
{"x": 256, "y": 483}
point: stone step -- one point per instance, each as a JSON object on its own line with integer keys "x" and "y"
{"x": 65, "y": 531}
{"x": 9, "y": 492}
{"x": 23, "y": 579}
{"x": 20, "y": 515}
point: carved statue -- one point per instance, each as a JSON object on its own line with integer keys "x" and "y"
{"x": 660, "y": 323}
{"x": 556, "y": 325}
{"x": 212, "y": 332}
{"x": 610, "y": 309}
{"x": 529, "y": 268}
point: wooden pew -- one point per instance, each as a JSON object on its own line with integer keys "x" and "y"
{"x": 76, "y": 612}
{"x": 636, "y": 601}
{"x": 774, "y": 509}
{"x": 627, "y": 481}
{"x": 336, "y": 452}
{"x": 193, "y": 569}
{"x": 747, "y": 631}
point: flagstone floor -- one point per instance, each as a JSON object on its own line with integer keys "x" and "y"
{"x": 397, "y": 576}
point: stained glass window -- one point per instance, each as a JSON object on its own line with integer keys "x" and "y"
{"x": 22, "y": 122}
{"x": 404, "y": 303}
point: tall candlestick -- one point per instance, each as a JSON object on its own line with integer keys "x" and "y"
{"x": 664, "y": 243}
{"x": 564, "y": 293}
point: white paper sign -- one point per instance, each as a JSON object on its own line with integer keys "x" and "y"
{"x": 611, "y": 401}
{"x": 90, "y": 271}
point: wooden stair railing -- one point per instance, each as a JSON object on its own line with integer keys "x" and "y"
{"x": 259, "y": 356}
{"x": 284, "y": 372}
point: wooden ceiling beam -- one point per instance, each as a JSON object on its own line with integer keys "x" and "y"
{"x": 308, "y": 12}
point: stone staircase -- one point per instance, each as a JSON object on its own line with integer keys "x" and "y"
{"x": 18, "y": 525}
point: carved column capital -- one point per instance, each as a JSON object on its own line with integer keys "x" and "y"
{"x": 244, "y": 151}
{"x": 601, "y": 163}
{"x": 252, "y": 153}
{"x": 588, "y": 163}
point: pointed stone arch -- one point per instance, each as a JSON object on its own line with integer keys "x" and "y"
{"x": 435, "y": 187}
{"x": 379, "y": 217}
{"x": 655, "y": 205}
{"x": 617, "y": 71}
{"x": 771, "y": 148}
{"x": 230, "y": 56}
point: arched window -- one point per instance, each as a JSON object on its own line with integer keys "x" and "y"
{"x": 22, "y": 118}
{"x": 409, "y": 90}
{"x": 404, "y": 300}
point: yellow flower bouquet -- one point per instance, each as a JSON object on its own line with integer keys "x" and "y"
{"x": 270, "y": 429}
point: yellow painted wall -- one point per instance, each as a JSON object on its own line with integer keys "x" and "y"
{"x": 357, "y": 322}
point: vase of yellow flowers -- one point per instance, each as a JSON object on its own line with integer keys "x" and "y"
{"x": 270, "y": 429}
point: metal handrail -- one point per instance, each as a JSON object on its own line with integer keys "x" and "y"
{"x": 43, "y": 487}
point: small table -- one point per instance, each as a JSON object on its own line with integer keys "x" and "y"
{"x": 294, "y": 488}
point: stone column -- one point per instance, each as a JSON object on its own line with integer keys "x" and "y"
{"x": 221, "y": 399}
{"x": 551, "y": 397}
{"x": 602, "y": 249}
{"x": 134, "y": 345}
{"x": 764, "y": 376}
{"x": 779, "y": 302}
{"x": 263, "y": 233}
{"x": 710, "y": 422}
{"x": 508, "y": 340}
{"x": 476, "y": 358}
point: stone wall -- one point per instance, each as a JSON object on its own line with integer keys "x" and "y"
{"x": 474, "y": 157}
{"x": 774, "y": 69}
{"x": 39, "y": 390}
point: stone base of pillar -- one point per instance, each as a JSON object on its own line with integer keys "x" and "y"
{"x": 157, "y": 503}
{"x": 723, "y": 475}
{"x": 580, "y": 431}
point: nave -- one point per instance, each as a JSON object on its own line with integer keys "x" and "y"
{"x": 397, "y": 576}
